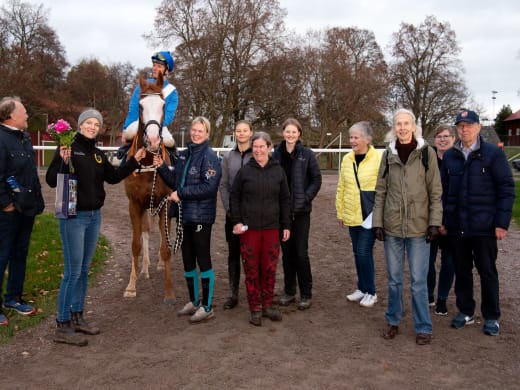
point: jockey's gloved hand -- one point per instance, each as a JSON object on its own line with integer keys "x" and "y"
{"x": 379, "y": 233}
{"x": 433, "y": 233}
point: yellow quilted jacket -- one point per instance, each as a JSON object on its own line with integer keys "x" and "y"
{"x": 348, "y": 202}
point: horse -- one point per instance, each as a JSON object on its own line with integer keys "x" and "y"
{"x": 147, "y": 191}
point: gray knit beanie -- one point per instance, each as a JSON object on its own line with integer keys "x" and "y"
{"x": 90, "y": 113}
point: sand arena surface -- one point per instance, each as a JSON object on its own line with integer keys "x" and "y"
{"x": 334, "y": 345}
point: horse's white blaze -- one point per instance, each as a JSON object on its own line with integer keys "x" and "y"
{"x": 152, "y": 109}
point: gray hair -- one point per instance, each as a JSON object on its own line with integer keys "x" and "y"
{"x": 365, "y": 129}
{"x": 418, "y": 130}
{"x": 7, "y": 106}
{"x": 262, "y": 135}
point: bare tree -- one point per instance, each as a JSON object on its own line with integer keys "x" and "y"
{"x": 218, "y": 43}
{"x": 33, "y": 59}
{"x": 426, "y": 74}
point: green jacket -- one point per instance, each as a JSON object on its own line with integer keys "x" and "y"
{"x": 408, "y": 197}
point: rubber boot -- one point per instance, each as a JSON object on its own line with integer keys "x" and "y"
{"x": 80, "y": 325}
{"x": 65, "y": 334}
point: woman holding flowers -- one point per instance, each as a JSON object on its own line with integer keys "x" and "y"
{"x": 77, "y": 152}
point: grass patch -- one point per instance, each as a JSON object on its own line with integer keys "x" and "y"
{"x": 44, "y": 273}
{"x": 516, "y": 205}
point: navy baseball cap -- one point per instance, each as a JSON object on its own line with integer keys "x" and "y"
{"x": 467, "y": 116}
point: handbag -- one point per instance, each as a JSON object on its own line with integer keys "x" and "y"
{"x": 367, "y": 197}
{"x": 66, "y": 196}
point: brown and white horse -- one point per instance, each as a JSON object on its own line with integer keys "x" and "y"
{"x": 146, "y": 191}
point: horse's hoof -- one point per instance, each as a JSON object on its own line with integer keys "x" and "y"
{"x": 145, "y": 275}
{"x": 160, "y": 267}
{"x": 130, "y": 294}
{"x": 170, "y": 301}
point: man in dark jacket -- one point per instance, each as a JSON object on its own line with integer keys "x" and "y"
{"x": 20, "y": 201}
{"x": 478, "y": 196}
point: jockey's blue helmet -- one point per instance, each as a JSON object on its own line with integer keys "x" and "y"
{"x": 164, "y": 58}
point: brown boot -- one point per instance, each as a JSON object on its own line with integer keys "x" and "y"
{"x": 65, "y": 334}
{"x": 80, "y": 325}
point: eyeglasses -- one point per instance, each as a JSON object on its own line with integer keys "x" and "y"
{"x": 443, "y": 136}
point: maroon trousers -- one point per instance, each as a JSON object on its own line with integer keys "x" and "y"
{"x": 260, "y": 250}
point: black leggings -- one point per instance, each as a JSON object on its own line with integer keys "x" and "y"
{"x": 196, "y": 247}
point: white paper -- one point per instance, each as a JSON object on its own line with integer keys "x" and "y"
{"x": 367, "y": 223}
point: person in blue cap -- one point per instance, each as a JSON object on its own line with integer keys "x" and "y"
{"x": 162, "y": 63}
{"x": 478, "y": 197}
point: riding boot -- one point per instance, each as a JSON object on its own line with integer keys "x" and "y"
{"x": 80, "y": 325}
{"x": 65, "y": 334}
{"x": 208, "y": 282}
{"x": 192, "y": 281}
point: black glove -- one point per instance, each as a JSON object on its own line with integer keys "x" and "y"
{"x": 379, "y": 233}
{"x": 433, "y": 233}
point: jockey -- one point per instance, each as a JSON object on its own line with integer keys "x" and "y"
{"x": 162, "y": 63}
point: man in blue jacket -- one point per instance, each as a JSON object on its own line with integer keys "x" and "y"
{"x": 478, "y": 196}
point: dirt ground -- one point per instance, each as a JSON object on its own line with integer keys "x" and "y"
{"x": 334, "y": 345}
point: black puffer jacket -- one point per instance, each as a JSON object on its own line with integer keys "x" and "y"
{"x": 304, "y": 177}
{"x": 260, "y": 196}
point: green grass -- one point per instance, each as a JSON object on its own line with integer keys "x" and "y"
{"x": 511, "y": 151}
{"x": 44, "y": 273}
{"x": 516, "y": 206}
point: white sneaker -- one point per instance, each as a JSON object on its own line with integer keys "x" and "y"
{"x": 368, "y": 300}
{"x": 356, "y": 296}
{"x": 202, "y": 315}
{"x": 188, "y": 309}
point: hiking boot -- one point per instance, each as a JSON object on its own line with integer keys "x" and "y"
{"x": 287, "y": 299}
{"x": 272, "y": 313}
{"x": 202, "y": 315}
{"x": 230, "y": 303}
{"x": 188, "y": 309}
{"x": 390, "y": 331}
{"x": 305, "y": 303}
{"x": 441, "y": 309}
{"x": 423, "y": 338}
{"x": 368, "y": 300}
{"x": 491, "y": 327}
{"x": 462, "y": 320}
{"x": 65, "y": 334}
{"x": 256, "y": 318}
{"x": 3, "y": 319}
{"x": 80, "y": 325}
{"x": 20, "y": 306}
{"x": 356, "y": 296}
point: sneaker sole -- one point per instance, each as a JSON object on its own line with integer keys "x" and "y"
{"x": 23, "y": 313}
{"x": 209, "y": 317}
{"x": 438, "y": 313}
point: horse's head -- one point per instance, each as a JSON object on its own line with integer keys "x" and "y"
{"x": 151, "y": 113}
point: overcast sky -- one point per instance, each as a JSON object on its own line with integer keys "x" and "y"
{"x": 488, "y": 32}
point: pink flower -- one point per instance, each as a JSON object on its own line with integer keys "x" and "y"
{"x": 61, "y": 126}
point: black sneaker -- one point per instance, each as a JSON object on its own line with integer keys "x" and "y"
{"x": 431, "y": 301}
{"x": 441, "y": 309}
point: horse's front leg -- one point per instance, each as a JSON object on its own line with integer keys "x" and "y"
{"x": 145, "y": 234}
{"x": 135, "y": 217}
{"x": 165, "y": 254}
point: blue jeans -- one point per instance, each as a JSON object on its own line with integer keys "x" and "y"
{"x": 79, "y": 238}
{"x": 418, "y": 251}
{"x": 15, "y": 235}
{"x": 447, "y": 271}
{"x": 363, "y": 246}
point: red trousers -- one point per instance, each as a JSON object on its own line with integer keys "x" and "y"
{"x": 260, "y": 250}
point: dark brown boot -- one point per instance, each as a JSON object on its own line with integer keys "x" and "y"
{"x": 65, "y": 334}
{"x": 80, "y": 325}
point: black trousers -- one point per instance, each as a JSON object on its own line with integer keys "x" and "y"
{"x": 481, "y": 251}
{"x": 295, "y": 257}
{"x": 233, "y": 241}
{"x": 196, "y": 248}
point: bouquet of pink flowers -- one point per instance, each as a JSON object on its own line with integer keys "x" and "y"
{"x": 62, "y": 133}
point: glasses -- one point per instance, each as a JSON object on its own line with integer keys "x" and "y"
{"x": 443, "y": 136}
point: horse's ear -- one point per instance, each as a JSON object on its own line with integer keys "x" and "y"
{"x": 160, "y": 80}
{"x": 142, "y": 81}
